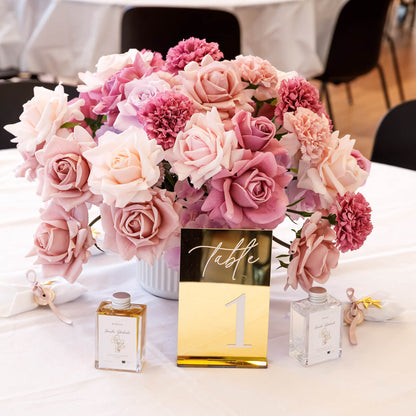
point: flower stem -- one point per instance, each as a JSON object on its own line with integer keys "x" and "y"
{"x": 94, "y": 220}
{"x": 282, "y": 243}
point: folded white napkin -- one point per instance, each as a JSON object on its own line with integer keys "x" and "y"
{"x": 18, "y": 298}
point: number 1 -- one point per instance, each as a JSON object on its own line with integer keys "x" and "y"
{"x": 240, "y": 322}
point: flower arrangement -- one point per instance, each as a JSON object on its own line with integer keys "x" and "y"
{"x": 190, "y": 141}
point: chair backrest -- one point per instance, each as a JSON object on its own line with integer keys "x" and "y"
{"x": 12, "y": 97}
{"x": 160, "y": 28}
{"x": 356, "y": 41}
{"x": 395, "y": 140}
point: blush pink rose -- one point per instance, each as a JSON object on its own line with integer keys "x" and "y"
{"x": 313, "y": 255}
{"x": 43, "y": 117}
{"x": 251, "y": 194}
{"x": 337, "y": 173}
{"x": 144, "y": 230}
{"x": 64, "y": 172}
{"x": 62, "y": 241}
{"x": 215, "y": 84}
{"x": 106, "y": 66}
{"x": 203, "y": 148}
{"x": 124, "y": 166}
{"x": 253, "y": 133}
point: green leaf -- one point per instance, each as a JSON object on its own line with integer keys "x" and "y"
{"x": 69, "y": 125}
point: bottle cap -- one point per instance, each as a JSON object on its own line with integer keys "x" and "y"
{"x": 317, "y": 294}
{"x": 120, "y": 300}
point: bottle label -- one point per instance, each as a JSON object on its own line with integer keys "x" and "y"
{"x": 324, "y": 335}
{"x": 118, "y": 341}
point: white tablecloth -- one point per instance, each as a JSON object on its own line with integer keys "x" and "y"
{"x": 64, "y": 37}
{"x": 47, "y": 367}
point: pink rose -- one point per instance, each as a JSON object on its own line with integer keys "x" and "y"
{"x": 313, "y": 254}
{"x": 337, "y": 173}
{"x": 253, "y": 133}
{"x": 362, "y": 161}
{"x": 138, "y": 92}
{"x": 144, "y": 230}
{"x": 215, "y": 84}
{"x": 124, "y": 166}
{"x": 64, "y": 175}
{"x": 43, "y": 117}
{"x": 106, "y": 66}
{"x": 202, "y": 149}
{"x": 62, "y": 241}
{"x": 251, "y": 195}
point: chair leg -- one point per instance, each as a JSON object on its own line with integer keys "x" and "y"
{"x": 383, "y": 84}
{"x": 396, "y": 66}
{"x": 349, "y": 94}
{"x": 325, "y": 91}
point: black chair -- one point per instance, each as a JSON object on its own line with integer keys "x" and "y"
{"x": 12, "y": 97}
{"x": 395, "y": 140}
{"x": 160, "y": 28}
{"x": 355, "y": 47}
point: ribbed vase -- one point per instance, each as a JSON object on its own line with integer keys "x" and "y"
{"x": 159, "y": 279}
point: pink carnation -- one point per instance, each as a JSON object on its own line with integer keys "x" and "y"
{"x": 297, "y": 92}
{"x": 353, "y": 221}
{"x": 165, "y": 115}
{"x": 192, "y": 49}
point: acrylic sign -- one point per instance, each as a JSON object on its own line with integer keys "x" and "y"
{"x": 224, "y": 295}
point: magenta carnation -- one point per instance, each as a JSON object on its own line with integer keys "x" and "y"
{"x": 297, "y": 92}
{"x": 353, "y": 221}
{"x": 165, "y": 115}
{"x": 192, "y": 49}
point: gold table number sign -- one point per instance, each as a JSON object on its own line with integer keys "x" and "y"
{"x": 224, "y": 295}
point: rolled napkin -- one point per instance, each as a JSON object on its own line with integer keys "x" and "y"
{"x": 18, "y": 298}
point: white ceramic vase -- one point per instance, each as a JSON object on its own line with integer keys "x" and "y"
{"x": 159, "y": 279}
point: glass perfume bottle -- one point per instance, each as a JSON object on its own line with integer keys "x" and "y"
{"x": 120, "y": 334}
{"x": 315, "y": 328}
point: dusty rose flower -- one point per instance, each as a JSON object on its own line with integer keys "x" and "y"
{"x": 308, "y": 201}
{"x": 191, "y": 50}
{"x": 107, "y": 66}
{"x": 29, "y": 168}
{"x": 297, "y": 92}
{"x": 64, "y": 175}
{"x": 309, "y": 136}
{"x": 165, "y": 115}
{"x": 253, "y": 133}
{"x": 337, "y": 173}
{"x": 202, "y": 149}
{"x": 145, "y": 229}
{"x": 251, "y": 194}
{"x": 124, "y": 166}
{"x": 62, "y": 241}
{"x": 313, "y": 254}
{"x": 43, "y": 117}
{"x": 113, "y": 89}
{"x": 258, "y": 71}
{"x": 353, "y": 221}
{"x": 138, "y": 92}
{"x": 215, "y": 84}
{"x": 362, "y": 161}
